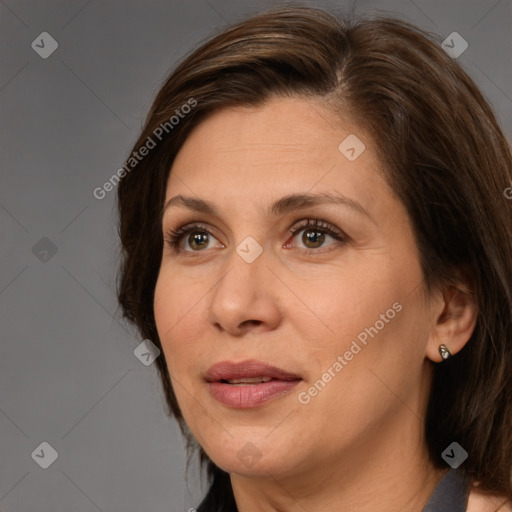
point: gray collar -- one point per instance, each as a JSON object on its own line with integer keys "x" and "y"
{"x": 451, "y": 493}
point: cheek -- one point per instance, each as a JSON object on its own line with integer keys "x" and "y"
{"x": 340, "y": 306}
{"x": 177, "y": 308}
{"x": 180, "y": 316}
{"x": 373, "y": 319}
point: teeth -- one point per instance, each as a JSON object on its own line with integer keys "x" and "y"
{"x": 249, "y": 380}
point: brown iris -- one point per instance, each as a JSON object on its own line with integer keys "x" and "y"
{"x": 316, "y": 238}
{"x": 198, "y": 240}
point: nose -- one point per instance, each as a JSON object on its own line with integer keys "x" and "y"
{"x": 245, "y": 298}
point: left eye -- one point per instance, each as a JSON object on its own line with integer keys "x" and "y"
{"x": 316, "y": 237}
{"x": 313, "y": 238}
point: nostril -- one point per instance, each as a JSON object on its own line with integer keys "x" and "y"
{"x": 251, "y": 322}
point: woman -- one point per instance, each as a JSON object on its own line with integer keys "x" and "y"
{"x": 315, "y": 234}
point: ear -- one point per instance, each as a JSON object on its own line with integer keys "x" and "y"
{"x": 455, "y": 323}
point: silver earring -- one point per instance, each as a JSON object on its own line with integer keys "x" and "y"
{"x": 445, "y": 353}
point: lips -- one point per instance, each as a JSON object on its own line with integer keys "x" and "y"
{"x": 250, "y": 369}
{"x": 249, "y": 383}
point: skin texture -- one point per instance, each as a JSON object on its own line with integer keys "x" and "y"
{"x": 359, "y": 443}
{"x": 481, "y": 502}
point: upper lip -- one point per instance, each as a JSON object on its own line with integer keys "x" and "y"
{"x": 227, "y": 370}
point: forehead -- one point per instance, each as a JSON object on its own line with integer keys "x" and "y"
{"x": 287, "y": 145}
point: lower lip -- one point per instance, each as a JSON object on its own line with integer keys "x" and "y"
{"x": 250, "y": 395}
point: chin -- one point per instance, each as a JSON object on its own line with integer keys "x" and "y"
{"x": 253, "y": 456}
{"x": 249, "y": 466}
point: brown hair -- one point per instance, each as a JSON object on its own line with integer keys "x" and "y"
{"x": 443, "y": 154}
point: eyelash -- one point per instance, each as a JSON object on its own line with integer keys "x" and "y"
{"x": 321, "y": 226}
{"x": 173, "y": 237}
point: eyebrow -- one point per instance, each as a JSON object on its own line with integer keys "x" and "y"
{"x": 283, "y": 205}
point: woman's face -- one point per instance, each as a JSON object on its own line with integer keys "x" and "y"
{"x": 338, "y": 305}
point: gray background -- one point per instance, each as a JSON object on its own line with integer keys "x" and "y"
{"x": 68, "y": 375}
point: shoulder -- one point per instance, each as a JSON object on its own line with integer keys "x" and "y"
{"x": 483, "y": 502}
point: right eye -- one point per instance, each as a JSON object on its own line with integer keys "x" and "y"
{"x": 195, "y": 236}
